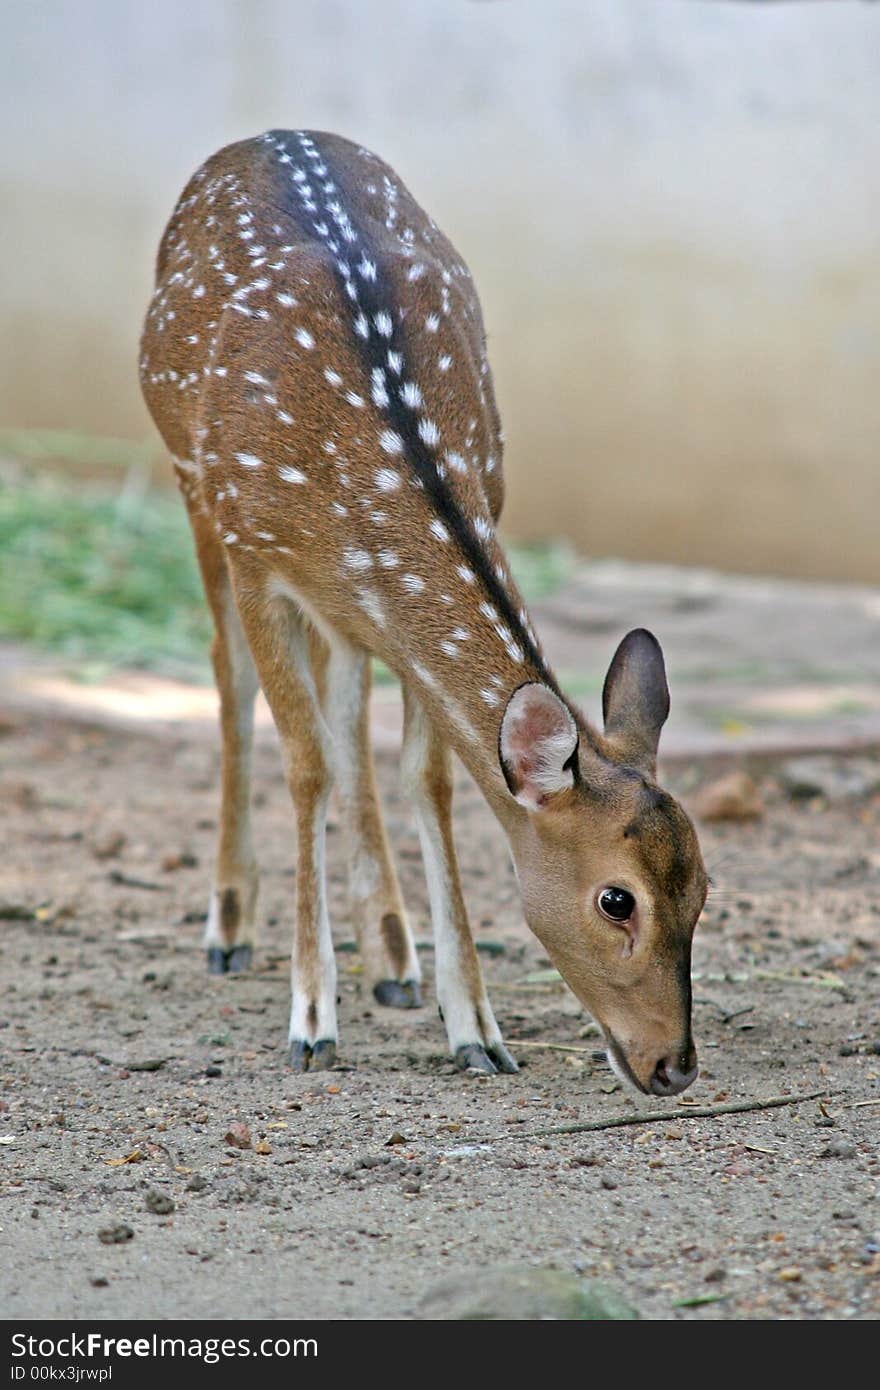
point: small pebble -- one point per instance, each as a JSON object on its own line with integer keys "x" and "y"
{"x": 109, "y": 845}
{"x": 238, "y": 1136}
{"x": 158, "y": 1203}
{"x": 840, "y": 1148}
{"x": 115, "y": 1235}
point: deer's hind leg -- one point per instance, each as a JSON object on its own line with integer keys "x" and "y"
{"x": 231, "y": 932}
{"x": 391, "y": 967}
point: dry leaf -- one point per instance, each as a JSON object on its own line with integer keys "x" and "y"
{"x": 136, "y": 1156}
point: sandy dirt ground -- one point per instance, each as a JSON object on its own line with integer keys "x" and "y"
{"x": 123, "y": 1067}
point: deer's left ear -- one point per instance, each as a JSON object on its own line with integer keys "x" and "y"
{"x": 635, "y": 699}
{"x": 537, "y": 745}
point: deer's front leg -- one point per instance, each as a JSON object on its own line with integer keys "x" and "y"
{"x": 391, "y": 967}
{"x": 474, "y": 1036}
{"x": 278, "y": 640}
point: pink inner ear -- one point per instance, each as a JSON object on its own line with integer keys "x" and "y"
{"x": 538, "y": 736}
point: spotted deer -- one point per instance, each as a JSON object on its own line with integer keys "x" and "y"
{"x": 314, "y": 358}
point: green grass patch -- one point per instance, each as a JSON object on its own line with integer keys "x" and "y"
{"x": 103, "y": 575}
{"x": 104, "y": 572}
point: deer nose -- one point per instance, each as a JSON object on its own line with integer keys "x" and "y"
{"x": 675, "y": 1073}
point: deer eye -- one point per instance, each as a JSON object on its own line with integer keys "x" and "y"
{"x": 616, "y": 904}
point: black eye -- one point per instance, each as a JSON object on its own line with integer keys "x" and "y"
{"x": 617, "y": 904}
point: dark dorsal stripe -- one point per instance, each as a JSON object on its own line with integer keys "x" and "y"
{"x": 373, "y": 298}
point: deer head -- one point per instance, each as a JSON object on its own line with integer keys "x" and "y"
{"x": 608, "y": 863}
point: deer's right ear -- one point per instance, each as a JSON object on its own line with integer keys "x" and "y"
{"x": 536, "y": 745}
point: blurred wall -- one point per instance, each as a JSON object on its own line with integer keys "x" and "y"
{"x": 672, "y": 211}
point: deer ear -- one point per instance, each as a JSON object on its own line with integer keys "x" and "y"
{"x": 537, "y": 745}
{"x": 635, "y": 699}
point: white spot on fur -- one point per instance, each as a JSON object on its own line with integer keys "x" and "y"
{"x": 428, "y": 432}
{"x": 249, "y": 461}
{"x": 291, "y": 475}
{"x": 355, "y": 559}
{"x": 391, "y": 442}
{"x": 304, "y": 338}
{"x": 413, "y": 583}
{"x": 387, "y": 480}
{"x": 371, "y": 605}
{"x": 438, "y": 529}
{"x": 388, "y": 559}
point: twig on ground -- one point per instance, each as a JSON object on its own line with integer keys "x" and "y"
{"x": 127, "y": 881}
{"x": 791, "y": 977}
{"x": 727, "y": 1016}
{"x": 553, "y": 1047}
{"x": 686, "y": 1112}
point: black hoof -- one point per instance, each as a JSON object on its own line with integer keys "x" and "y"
{"x": 396, "y": 994}
{"x": 239, "y": 959}
{"x": 473, "y": 1057}
{"x": 216, "y": 960}
{"x": 502, "y": 1058}
{"x": 324, "y": 1054}
{"x": 319, "y": 1056}
{"x": 300, "y": 1056}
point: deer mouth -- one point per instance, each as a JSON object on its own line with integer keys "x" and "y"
{"x": 619, "y": 1064}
